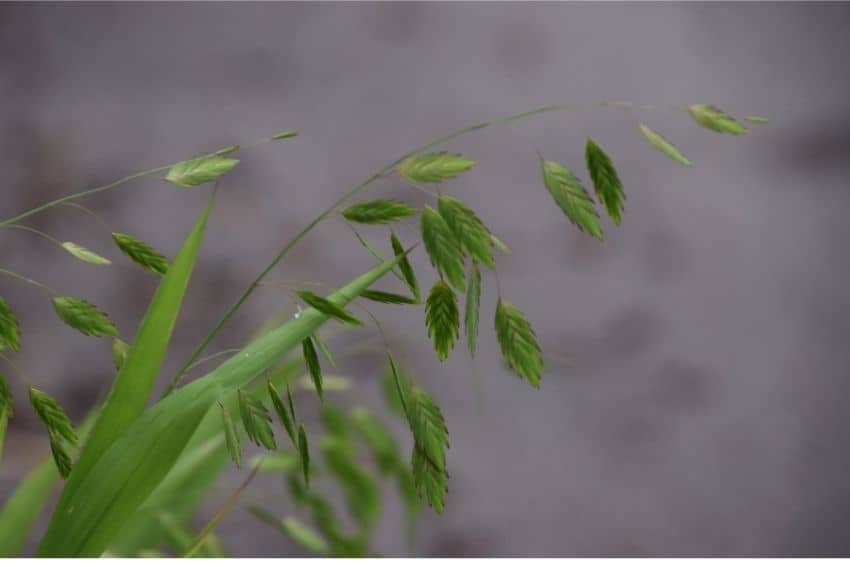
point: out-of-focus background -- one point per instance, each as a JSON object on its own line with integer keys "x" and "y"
{"x": 696, "y": 400}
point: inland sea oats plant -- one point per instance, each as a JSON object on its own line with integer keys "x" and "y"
{"x": 136, "y": 469}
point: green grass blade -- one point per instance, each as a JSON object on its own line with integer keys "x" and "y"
{"x": 85, "y": 522}
{"x": 135, "y": 380}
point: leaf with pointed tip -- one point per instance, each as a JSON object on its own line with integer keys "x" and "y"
{"x": 84, "y": 254}
{"x": 499, "y": 244}
{"x": 470, "y": 232}
{"x": 199, "y": 170}
{"x": 304, "y": 451}
{"x": 119, "y": 352}
{"x": 256, "y": 420}
{"x": 518, "y": 342}
{"x": 84, "y": 317}
{"x": 606, "y": 182}
{"x": 434, "y": 167}
{"x": 662, "y": 144}
{"x": 571, "y": 196}
{"x": 330, "y": 309}
{"x": 282, "y": 414}
{"x": 294, "y": 529}
{"x": 381, "y": 211}
{"x": 710, "y": 117}
{"x": 431, "y": 439}
{"x": 59, "y": 427}
{"x": 141, "y": 253}
{"x": 442, "y": 318}
{"x": 405, "y": 267}
{"x": 756, "y": 119}
{"x": 10, "y": 330}
{"x": 387, "y": 297}
{"x": 396, "y": 272}
{"x": 443, "y": 247}
{"x": 311, "y": 360}
{"x": 323, "y": 348}
{"x": 284, "y": 135}
{"x": 231, "y": 437}
{"x": 473, "y": 303}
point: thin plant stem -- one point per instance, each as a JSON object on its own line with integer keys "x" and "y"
{"x": 46, "y": 288}
{"x": 35, "y": 231}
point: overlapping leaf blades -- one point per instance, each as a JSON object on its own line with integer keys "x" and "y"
{"x": 141, "y": 253}
{"x": 256, "y": 420}
{"x": 328, "y": 308}
{"x": 434, "y": 167}
{"x": 10, "y": 330}
{"x": 231, "y": 437}
{"x": 84, "y": 316}
{"x": 59, "y": 428}
{"x": 199, "y": 170}
{"x": 442, "y": 318}
{"x": 405, "y": 267}
{"x": 442, "y": 247}
{"x": 606, "y": 182}
{"x": 711, "y": 117}
{"x": 311, "y": 360}
{"x": 470, "y": 232}
{"x": 382, "y": 211}
{"x": 518, "y": 342}
{"x": 571, "y": 196}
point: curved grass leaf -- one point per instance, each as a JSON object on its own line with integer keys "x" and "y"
{"x": 10, "y": 330}
{"x": 256, "y": 420}
{"x": 712, "y": 118}
{"x": 470, "y": 232}
{"x": 328, "y": 308}
{"x": 84, "y": 254}
{"x": 231, "y": 437}
{"x": 141, "y": 253}
{"x": 311, "y": 360}
{"x": 442, "y": 318}
{"x": 518, "y": 342}
{"x": 663, "y": 145}
{"x": 443, "y": 247}
{"x": 382, "y": 211}
{"x": 84, "y": 317}
{"x": 571, "y": 196}
{"x": 304, "y": 453}
{"x": 606, "y": 182}
{"x": 434, "y": 167}
{"x": 472, "y": 308}
{"x": 405, "y": 267}
{"x": 86, "y": 519}
{"x": 386, "y": 297}
{"x": 199, "y": 170}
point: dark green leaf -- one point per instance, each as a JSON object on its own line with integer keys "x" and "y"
{"x": 431, "y": 438}
{"x": 571, "y": 196}
{"x": 405, "y": 267}
{"x": 199, "y": 170}
{"x": 311, "y": 359}
{"x": 473, "y": 305}
{"x": 443, "y": 247}
{"x": 304, "y": 451}
{"x": 231, "y": 437}
{"x": 712, "y": 118}
{"x": 663, "y": 145}
{"x": 285, "y": 418}
{"x": 382, "y": 211}
{"x": 330, "y": 309}
{"x": 442, "y": 318}
{"x": 606, "y": 182}
{"x": 518, "y": 342}
{"x": 256, "y": 420}
{"x": 9, "y": 328}
{"x": 470, "y": 232}
{"x": 434, "y": 167}
{"x": 84, "y": 317}
{"x": 386, "y": 297}
{"x": 141, "y": 253}
{"x": 59, "y": 427}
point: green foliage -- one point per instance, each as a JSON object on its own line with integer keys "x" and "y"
{"x": 571, "y": 196}
{"x": 59, "y": 428}
{"x": 756, "y": 119}
{"x": 284, "y": 135}
{"x": 84, "y": 254}
{"x": 606, "y": 182}
{"x": 382, "y": 211}
{"x": 311, "y": 360}
{"x": 304, "y": 452}
{"x": 503, "y": 248}
{"x": 434, "y": 167}
{"x": 361, "y": 492}
{"x": 711, "y": 117}
{"x": 379, "y": 440}
{"x": 442, "y": 318}
{"x": 468, "y": 229}
{"x": 119, "y": 352}
{"x": 199, "y": 170}
{"x": 285, "y": 418}
{"x": 6, "y": 411}
{"x": 231, "y": 437}
{"x": 518, "y": 342}
{"x": 141, "y": 253}
{"x": 661, "y": 143}
{"x": 472, "y": 308}
{"x": 443, "y": 247}
{"x": 256, "y": 420}
{"x": 293, "y": 529}
{"x": 405, "y": 267}
{"x": 387, "y": 297}
{"x": 84, "y": 317}
{"x": 431, "y": 439}
{"x": 330, "y": 309}
{"x": 10, "y": 330}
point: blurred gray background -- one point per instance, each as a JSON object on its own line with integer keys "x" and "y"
{"x": 697, "y": 397}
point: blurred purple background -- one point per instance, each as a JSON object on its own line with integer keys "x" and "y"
{"x": 704, "y": 407}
